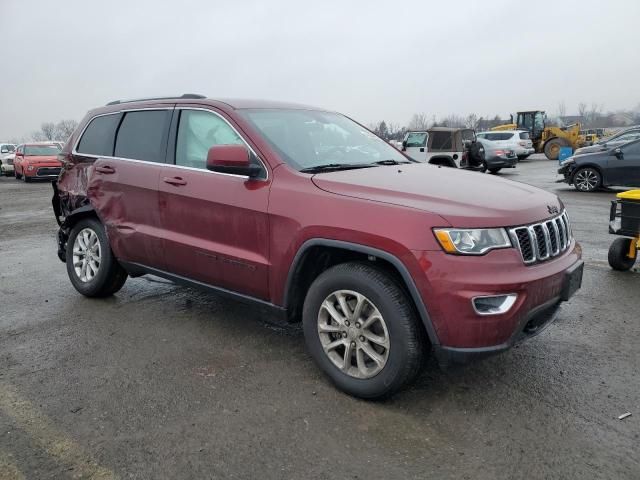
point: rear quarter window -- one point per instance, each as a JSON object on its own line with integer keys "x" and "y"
{"x": 98, "y": 137}
{"x": 524, "y": 135}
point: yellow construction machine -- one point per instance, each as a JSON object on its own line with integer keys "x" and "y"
{"x": 547, "y": 140}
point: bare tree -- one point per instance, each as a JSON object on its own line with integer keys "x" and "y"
{"x": 582, "y": 109}
{"x": 48, "y": 130}
{"x": 562, "y": 109}
{"x": 64, "y": 129}
{"x": 38, "y": 136}
{"x": 472, "y": 121}
{"x": 418, "y": 121}
{"x": 454, "y": 121}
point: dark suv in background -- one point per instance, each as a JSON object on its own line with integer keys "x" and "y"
{"x": 308, "y": 213}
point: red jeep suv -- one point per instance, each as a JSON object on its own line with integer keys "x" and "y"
{"x": 307, "y": 212}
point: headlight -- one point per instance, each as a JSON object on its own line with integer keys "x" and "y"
{"x": 30, "y": 168}
{"x": 472, "y": 241}
{"x": 568, "y": 160}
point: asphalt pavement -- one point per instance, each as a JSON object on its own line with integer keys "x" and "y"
{"x": 165, "y": 382}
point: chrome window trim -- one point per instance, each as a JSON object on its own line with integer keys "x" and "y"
{"x": 74, "y": 150}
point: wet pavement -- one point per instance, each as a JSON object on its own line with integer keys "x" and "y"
{"x": 165, "y": 382}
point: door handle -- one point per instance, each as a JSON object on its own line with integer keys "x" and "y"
{"x": 422, "y": 149}
{"x": 105, "y": 169}
{"x": 174, "y": 181}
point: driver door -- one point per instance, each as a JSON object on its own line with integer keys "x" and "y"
{"x": 625, "y": 169}
{"x": 215, "y": 225}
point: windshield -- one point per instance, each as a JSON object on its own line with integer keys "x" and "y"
{"x": 8, "y": 148}
{"x": 622, "y": 137}
{"x": 307, "y": 138}
{"x": 40, "y": 150}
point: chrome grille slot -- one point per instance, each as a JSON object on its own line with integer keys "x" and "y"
{"x": 544, "y": 240}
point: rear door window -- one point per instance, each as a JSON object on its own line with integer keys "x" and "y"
{"x": 441, "y": 141}
{"x": 143, "y": 135}
{"x": 99, "y": 135}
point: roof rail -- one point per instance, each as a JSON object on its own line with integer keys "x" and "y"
{"x": 183, "y": 96}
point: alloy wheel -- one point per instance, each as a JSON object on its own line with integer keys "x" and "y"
{"x": 353, "y": 334}
{"x": 586, "y": 180}
{"x": 86, "y": 255}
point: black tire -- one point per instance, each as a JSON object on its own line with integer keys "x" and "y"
{"x": 110, "y": 276}
{"x": 618, "y": 259}
{"x": 17, "y": 175}
{"x": 522, "y": 157}
{"x": 407, "y": 340}
{"x": 495, "y": 170}
{"x": 586, "y": 179}
{"x": 26, "y": 179}
{"x": 552, "y": 147}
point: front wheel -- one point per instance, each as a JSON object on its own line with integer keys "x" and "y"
{"x": 361, "y": 330}
{"x": 91, "y": 265}
{"x": 587, "y": 179}
{"x": 619, "y": 254}
{"x": 17, "y": 175}
{"x": 495, "y": 170}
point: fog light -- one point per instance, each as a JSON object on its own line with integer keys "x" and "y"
{"x": 30, "y": 168}
{"x": 493, "y": 304}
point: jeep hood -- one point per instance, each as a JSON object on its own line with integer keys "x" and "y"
{"x": 463, "y": 198}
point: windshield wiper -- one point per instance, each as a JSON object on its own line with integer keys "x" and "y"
{"x": 335, "y": 166}
{"x": 391, "y": 162}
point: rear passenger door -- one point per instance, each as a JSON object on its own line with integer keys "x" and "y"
{"x": 215, "y": 225}
{"x": 123, "y": 185}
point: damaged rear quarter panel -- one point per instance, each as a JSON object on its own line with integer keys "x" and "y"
{"x": 125, "y": 201}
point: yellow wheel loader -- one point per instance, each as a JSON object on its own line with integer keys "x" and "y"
{"x": 547, "y": 140}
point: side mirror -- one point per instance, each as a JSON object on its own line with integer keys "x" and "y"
{"x": 19, "y": 154}
{"x": 404, "y": 145}
{"x": 232, "y": 159}
{"x": 616, "y": 152}
{"x": 4, "y": 150}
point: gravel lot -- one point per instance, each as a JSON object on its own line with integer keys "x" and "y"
{"x": 162, "y": 381}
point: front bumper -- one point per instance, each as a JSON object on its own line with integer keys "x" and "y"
{"x": 450, "y": 283}
{"x": 43, "y": 171}
{"x": 567, "y": 172}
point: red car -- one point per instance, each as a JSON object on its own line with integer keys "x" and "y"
{"x": 306, "y": 212}
{"x": 37, "y": 160}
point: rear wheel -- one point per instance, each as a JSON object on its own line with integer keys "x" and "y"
{"x": 91, "y": 265}
{"x": 587, "y": 179}
{"x": 619, "y": 254}
{"x": 552, "y": 147}
{"x": 361, "y": 330}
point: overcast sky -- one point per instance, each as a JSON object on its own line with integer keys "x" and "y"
{"x": 372, "y": 60}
